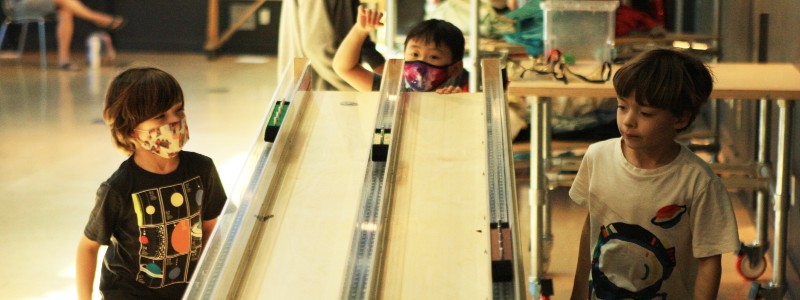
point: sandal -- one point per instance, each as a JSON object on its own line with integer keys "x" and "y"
{"x": 69, "y": 67}
{"x": 117, "y": 22}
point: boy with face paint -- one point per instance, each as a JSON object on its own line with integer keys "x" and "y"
{"x": 433, "y": 53}
{"x": 158, "y": 209}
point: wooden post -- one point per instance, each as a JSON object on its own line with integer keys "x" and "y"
{"x": 213, "y": 24}
{"x": 214, "y": 40}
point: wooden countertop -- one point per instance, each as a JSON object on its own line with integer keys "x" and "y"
{"x": 732, "y": 81}
{"x": 664, "y": 39}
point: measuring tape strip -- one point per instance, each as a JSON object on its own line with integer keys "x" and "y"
{"x": 365, "y": 261}
{"x": 504, "y": 237}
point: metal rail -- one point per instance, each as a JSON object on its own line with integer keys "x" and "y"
{"x": 502, "y": 187}
{"x": 247, "y": 210}
{"x": 366, "y": 258}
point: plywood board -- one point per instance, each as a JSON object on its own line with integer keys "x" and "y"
{"x": 304, "y": 248}
{"x": 732, "y": 81}
{"x": 438, "y": 242}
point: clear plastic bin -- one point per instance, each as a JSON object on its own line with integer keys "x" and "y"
{"x": 583, "y": 30}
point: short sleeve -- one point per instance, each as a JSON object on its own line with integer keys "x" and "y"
{"x": 580, "y": 187}
{"x": 216, "y": 195}
{"x": 714, "y": 229}
{"x": 104, "y": 216}
{"x": 370, "y": 54}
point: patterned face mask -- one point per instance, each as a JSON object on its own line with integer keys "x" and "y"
{"x": 423, "y": 77}
{"x": 165, "y": 141}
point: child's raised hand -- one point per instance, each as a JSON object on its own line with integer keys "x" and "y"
{"x": 368, "y": 19}
{"x": 449, "y": 90}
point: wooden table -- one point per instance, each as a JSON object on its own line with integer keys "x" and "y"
{"x": 732, "y": 81}
{"x": 766, "y": 82}
{"x": 667, "y": 39}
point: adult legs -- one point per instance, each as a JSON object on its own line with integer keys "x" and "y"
{"x": 64, "y": 30}
{"x": 67, "y": 10}
{"x": 77, "y": 8}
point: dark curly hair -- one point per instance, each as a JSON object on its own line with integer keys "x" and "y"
{"x": 440, "y": 32}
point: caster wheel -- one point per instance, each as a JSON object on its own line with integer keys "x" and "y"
{"x": 750, "y": 270}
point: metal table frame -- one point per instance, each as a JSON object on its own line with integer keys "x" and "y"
{"x": 765, "y": 82}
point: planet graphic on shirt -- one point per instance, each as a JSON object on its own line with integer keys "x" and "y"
{"x": 198, "y": 198}
{"x": 197, "y": 231}
{"x": 668, "y": 216}
{"x": 175, "y": 272}
{"x": 176, "y": 199}
{"x": 152, "y": 270}
{"x": 180, "y": 239}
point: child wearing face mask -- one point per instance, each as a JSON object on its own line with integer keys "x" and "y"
{"x": 433, "y": 53}
{"x": 158, "y": 209}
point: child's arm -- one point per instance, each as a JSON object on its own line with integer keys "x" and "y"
{"x": 346, "y": 60}
{"x": 85, "y": 267}
{"x": 709, "y": 271}
{"x": 580, "y": 284}
{"x": 208, "y": 229}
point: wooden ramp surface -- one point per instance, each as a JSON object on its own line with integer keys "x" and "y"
{"x": 439, "y": 233}
{"x": 304, "y": 249}
{"x": 438, "y": 245}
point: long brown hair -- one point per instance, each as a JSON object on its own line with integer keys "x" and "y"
{"x": 134, "y": 96}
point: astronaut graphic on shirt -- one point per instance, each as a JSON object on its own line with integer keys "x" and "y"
{"x": 650, "y": 226}
{"x": 630, "y": 262}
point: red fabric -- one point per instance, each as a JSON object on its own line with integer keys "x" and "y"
{"x": 630, "y": 19}
{"x": 657, "y": 11}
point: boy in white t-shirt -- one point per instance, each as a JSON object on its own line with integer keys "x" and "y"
{"x": 659, "y": 217}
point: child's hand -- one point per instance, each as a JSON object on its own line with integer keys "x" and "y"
{"x": 449, "y": 90}
{"x": 368, "y": 19}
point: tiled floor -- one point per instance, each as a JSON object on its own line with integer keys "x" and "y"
{"x": 56, "y": 151}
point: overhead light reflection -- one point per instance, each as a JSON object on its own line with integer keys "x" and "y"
{"x": 690, "y": 45}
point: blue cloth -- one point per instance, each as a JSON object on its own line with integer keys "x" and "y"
{"x": 529, "y": 22}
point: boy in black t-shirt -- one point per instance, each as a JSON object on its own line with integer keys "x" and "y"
{"x": 157, "y": 210}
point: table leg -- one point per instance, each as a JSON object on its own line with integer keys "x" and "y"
{"x": 537, "y": 195}
{"x": 782, "y": 194}
{"x": 777, "y": 287}
{"x": 547, "y": 155}
{"x": 538, "y": 284}
{"x": 752, "y": 258}
{"x": 762, "y": 196}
